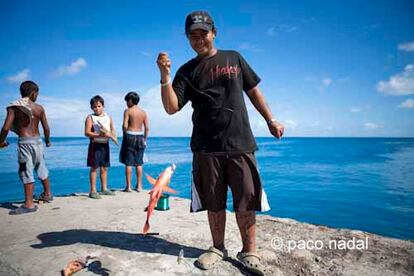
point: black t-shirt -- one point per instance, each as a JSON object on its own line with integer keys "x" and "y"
{"x": 215, "y": 86}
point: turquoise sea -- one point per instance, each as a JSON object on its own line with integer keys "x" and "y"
{"x": 358, "y": 183}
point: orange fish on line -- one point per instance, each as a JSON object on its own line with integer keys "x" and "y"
{"x": 160, "y": 185}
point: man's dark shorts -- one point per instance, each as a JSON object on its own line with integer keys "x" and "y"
{"x": 213, "y": 173}
{"x": 98, "y": 155}
{"x": 132, "y": 150}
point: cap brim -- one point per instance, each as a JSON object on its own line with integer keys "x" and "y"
{"x": 200, "y": 26}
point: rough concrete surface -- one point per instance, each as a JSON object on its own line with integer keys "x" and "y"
{"x": 75, "y": 227}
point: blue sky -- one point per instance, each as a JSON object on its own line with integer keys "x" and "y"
{"x": 328, "y": 68}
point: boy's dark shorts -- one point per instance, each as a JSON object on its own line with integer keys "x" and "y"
{"x": 212, "y": 173}
{"x": 98, "y": 155}
{"x": 132, "y": 150}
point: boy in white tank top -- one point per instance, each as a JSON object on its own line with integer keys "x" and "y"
{"x": 98, "y": 150}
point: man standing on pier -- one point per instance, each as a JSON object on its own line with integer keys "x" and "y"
{"x": 222, "y": 141}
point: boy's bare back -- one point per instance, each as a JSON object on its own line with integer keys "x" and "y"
{"x": 136, "y": 118}
{"x": 19, "y": 121}
{"x": 25, "y": 127}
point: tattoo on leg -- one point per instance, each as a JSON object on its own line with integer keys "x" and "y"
{"x": 217, "y": 221}
{"x": 246, "y": 222}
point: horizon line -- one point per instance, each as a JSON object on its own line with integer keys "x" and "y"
{"x": 350, "y": 137}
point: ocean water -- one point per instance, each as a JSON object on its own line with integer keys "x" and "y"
{"x": 357, "y": 183}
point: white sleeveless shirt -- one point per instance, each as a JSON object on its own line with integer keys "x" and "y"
{"x": 105, "y": 121}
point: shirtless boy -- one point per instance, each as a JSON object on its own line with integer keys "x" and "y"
{"x": 23, "y": 117}
{"x": 135, "y": 128}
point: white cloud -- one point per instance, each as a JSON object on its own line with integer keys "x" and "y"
{"x": 257, "y": 123}
{"x": 327, "y": 81}
{"x": 288, "y": 28}
{"x": 290, "y": 124}
{"x": 67, "y": 117}
{"x": 361, "y": 108}
{"x": 399, "y": 84}
{"x": 161, "y": 124}
{"x": 371, "y": 126}
{"x": 406, "y": 46}
{"x": 321, "y": 82}
{"x": 310, "y": 78}
{"x": 250, "y": 47}
{"x": 72, "y": 69}
{"x": 314, "y": 124}
{"x": 19, "y": 77}
{"x": 271, "y": 31}
{"x": 409, "y": 103}
{"x": 64, "y": 109}
{"x": 283, "y": 28}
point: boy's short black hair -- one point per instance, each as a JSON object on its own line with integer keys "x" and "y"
{"x": 97, "y": 99}
{"x": 28, "y": 87}
{"x": 133, "y": 96}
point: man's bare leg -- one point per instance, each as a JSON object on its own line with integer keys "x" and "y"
{"x": 104, "y": 174}
{"x": 217, "y": 222}
{"x": 139, "y": 178}
{"x": 128, "y": 176}
{"x": 46, "y": 187}
{"x": 247, "y": 226}
{"x": 92, "y": 179}
{"x": 28, "y": 195}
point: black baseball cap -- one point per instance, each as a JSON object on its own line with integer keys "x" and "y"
{"x": 198, "y": 20}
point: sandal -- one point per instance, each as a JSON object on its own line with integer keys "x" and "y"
{"x": 251, "y": 261}
{"x": 45, "y": 198}
{"x": 94, "y": 195}
{"x": 107, "y": 192}
{"x": 208, "y": 259}
{"x": 23, "y": 210}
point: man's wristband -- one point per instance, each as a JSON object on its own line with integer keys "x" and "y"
{"x": 165, "y": 83}
{"x": 271, "y": 121}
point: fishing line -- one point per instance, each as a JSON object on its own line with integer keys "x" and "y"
{"x": 204, "y": 93}
{"x": 195, "y": 88}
